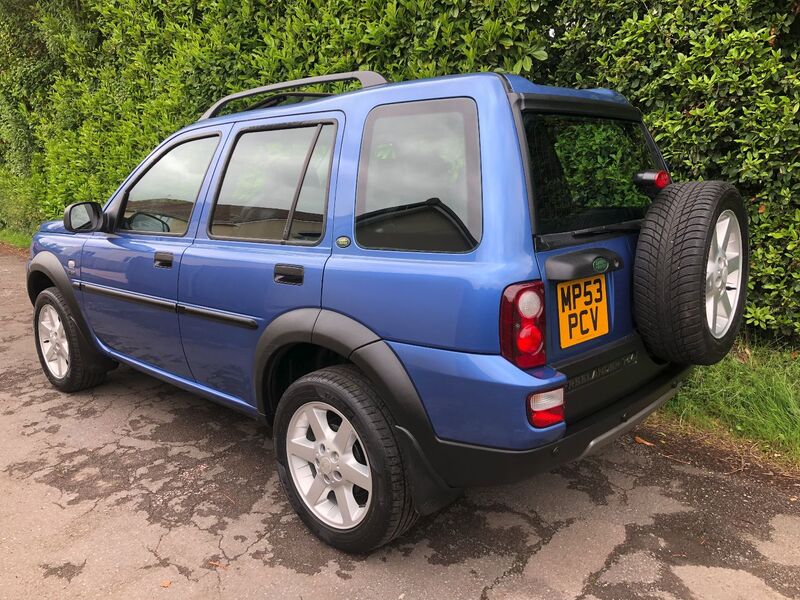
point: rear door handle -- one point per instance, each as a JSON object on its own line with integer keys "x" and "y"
{"x": 163, "y": 260}
{"x": 289, "y": 274}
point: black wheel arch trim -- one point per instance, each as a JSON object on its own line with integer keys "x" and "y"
{"x": 50, "y": 266}
{"x": 364, "y": 348}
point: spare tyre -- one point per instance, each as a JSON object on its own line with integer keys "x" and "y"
{"x": 690, "y": 272}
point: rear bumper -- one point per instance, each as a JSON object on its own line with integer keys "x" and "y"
{"x": 462, "y": 465}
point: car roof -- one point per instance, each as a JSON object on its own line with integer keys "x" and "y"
{"x": 512, "y": 84}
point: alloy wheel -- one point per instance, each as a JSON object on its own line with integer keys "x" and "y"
{"x": 53, "y": 341}
{"x": 329, "y": 465}
{"x": 723, "y": 274}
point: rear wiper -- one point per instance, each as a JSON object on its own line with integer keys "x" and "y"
{"x": 398, "y": 209}
{"x": 604, "y": 229}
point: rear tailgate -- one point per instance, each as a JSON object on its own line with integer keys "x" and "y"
{"x": 591, "y": 336}
{"x": 587, "y": 210}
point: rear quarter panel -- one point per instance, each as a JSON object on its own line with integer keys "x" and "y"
{"x": 449, "y": 301}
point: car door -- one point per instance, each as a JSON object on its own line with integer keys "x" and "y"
{"x": 261, "y": 245}
{"x": 129, "y": 276}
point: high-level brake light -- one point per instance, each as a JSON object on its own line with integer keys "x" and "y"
{"x": 662, "y": 180}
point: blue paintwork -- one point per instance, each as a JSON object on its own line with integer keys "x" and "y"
{"x": 618, "y": 289}
{"x": 434, "y": 299}
{"x": 478, "y": 398}
{"x": 439, "y": 312}
{"x": 125, "y": 260}
{"x": 221, "y": 354}
{"x": 182, "y": 382}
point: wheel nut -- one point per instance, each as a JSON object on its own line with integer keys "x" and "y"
{"x": 337, "y": 476}
{"x": 335, "y": 457}
{"x": 326, "y": 479}
{"x": 322, "y": 448}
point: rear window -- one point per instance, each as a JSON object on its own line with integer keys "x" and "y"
{"x": 419, "y": 177}
{"x": 583, "y": 168}
{"x": 275, "y": 175}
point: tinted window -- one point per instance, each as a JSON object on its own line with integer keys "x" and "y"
{"x": 419, "y": 177}
{"x": 583, "y": 168}
{"x": 262, "y": 179}
{"x": 161, "y": 200}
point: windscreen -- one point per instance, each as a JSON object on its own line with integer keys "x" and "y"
{"x": 583, "y": 169}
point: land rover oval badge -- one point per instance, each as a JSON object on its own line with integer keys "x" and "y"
{"x": 343, "y": 241}
{"x": 600, "y": 264}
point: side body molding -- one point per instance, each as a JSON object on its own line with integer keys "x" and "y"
{"x": 47, "y": 264}
{"x": 378, "y": 361}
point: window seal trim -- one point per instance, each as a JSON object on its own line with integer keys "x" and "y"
{"x": 221, "y": 179}
{"x": 120, "y": 208}
{"x": 287, "y": 228}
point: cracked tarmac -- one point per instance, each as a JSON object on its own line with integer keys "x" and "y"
{"x": 136, "y": 489}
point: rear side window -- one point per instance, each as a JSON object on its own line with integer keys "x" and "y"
{"x": 583, "y": 169}
{"x": 419, "y": 184}
{"x": 161, "y": 201}
{"x": 276, "y": 185}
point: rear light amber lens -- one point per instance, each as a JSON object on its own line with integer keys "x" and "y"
{"x": 522, "y": 324}
{"x": 546, "y": 409}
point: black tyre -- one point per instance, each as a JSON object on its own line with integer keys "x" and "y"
{"x": 690, "y": 272}
{"x": 339, "y": 462}
{"x": 64, "y": 361}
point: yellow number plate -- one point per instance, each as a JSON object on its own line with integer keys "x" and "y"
{"x": 582, "y": 310}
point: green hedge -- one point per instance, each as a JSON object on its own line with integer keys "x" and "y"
{"x": 719, "y": 83}
{"x": 88, "y": 88}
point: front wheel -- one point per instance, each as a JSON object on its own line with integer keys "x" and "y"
{"x": 58, "y": 345}
{"x": 339, "y": 462}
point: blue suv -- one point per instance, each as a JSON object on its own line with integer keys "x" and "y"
{"x": 419, "y": 286}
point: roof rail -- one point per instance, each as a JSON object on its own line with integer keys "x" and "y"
{"x": 366, "y": 78}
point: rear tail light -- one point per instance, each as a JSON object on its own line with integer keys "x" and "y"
{"x": 522, "y": 322}
{"x": 546, "y": 408}
{"x": 652, "y": 179}
{"x": 662, "y": 180}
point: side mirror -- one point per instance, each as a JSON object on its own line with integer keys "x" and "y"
{"x": 83, "y": 217}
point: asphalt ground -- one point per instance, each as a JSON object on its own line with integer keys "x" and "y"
{"x": 136, "y": 489}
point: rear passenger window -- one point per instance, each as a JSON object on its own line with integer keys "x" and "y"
{"x": 419, "y": 185}
{"x": 275, "y": 185}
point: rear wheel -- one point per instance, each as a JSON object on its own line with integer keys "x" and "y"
{"x": 61, "y": 354}
{"x": 690, "y": 272}
{"x": 339, "y": 462}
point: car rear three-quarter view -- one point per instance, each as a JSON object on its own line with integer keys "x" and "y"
{"x": 420, "y": 287}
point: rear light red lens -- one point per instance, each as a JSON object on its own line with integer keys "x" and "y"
{"x": 529, "y": 339}
{"x": 547, "y": 417}
{"x": 661, "y": 180}
{"x": 546, "y": 409}
{"x": 522, "y": 324}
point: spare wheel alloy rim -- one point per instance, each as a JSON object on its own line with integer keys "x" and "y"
{"x": 723, "y": 274}
{"x": 53, "y": 341}
{"x": 329, "y": 465}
